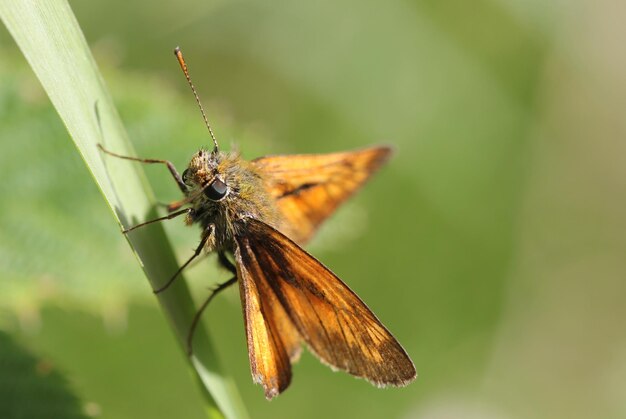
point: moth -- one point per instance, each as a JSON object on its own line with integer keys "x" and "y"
{"x": 259, "y": 213}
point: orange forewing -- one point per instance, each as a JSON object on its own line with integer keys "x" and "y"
{"x": 314, "y": 303}
{"x": 308, "y": 188}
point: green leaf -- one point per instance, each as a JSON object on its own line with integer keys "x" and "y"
{"x": 49, "y": 37}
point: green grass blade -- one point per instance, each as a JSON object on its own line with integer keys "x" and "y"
{"x": 48, "y": 35}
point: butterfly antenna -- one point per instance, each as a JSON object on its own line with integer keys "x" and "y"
{"x": 183, "y": 66}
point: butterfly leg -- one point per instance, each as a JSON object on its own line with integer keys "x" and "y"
{"x": 167, "y": 217}
{"x": 169, "y": 164}
{"x": 197, "y": 252}
{"x": 196, "y": 318}
{"x": 226, "y": 263}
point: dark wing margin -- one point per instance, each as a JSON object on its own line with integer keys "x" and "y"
{"x": 336, "y": 325}
{"x": 308, "y": 188}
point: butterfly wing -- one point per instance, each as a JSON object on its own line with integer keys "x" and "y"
{"x": 272, "y": 339}
{"x": 308, "y": 188}
{"x": 336, "y": 325}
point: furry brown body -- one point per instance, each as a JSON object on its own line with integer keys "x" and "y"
{"x": 246, "y": 197}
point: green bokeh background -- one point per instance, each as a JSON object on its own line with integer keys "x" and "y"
{"x": 492, "y": 244}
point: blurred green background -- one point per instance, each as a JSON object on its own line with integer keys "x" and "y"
{"x": 492, "y": 245}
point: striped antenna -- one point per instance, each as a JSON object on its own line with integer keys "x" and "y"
{"x": 183, "y": 66}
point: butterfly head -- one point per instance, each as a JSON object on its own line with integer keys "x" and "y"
{"x": 206, "y": 171}
{"x": 224, "y": 185}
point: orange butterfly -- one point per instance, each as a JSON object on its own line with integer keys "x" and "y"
{"x": 260, "y": 212}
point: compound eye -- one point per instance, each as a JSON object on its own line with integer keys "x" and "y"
{"x": 186, "y": 176}
{"x": 216, "y": 190}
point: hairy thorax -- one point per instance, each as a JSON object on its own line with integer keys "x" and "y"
{"x": 224, "y": 190}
